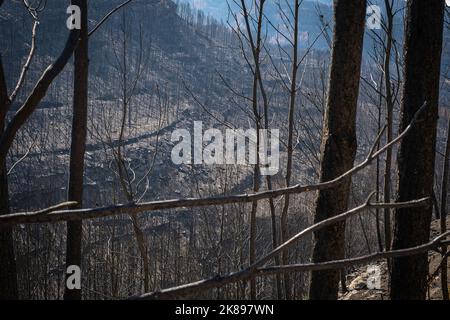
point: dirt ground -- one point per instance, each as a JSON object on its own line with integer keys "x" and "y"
{"x": 357, "y": 281}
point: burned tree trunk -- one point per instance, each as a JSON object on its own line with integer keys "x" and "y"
{"x": 339, "y": 140}
{"x": 443, "y": 214}
{"x": 8, "y": 272}
{"x": 416, "y": 158}
{"x": 389, "y": 120}
{"x": 78, "y": 147}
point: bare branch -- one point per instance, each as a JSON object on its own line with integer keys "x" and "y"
{"x": 255, "y": 269}
{"x": 436, "y": 243}
{"x": 37, "y": 94}
{"x": 107, "y": 16}
{"x": 26, "y": 66}
{"x": 133, "y": 208}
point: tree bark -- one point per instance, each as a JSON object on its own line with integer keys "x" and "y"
{"x": 339, "y": 140}
{"x": 8, "y": 272}
{"x": 78, "y": 146}
{"x": 443, "y": 215}
{"x": 389, "y": 121}
{"x": 416, "y": 158}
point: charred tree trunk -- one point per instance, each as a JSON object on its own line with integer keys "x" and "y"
{"x": 416, "y": 158}
{"x": 389, "y": 121}
{"x": 339, "y": 140}
{"x": 8, "y": 272}
{"x": 78, "y": 147}
{"x": 290, "y": 145}
{"x": 444, "y": 214}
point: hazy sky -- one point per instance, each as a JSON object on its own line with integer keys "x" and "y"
{"x": 219, "y": 8}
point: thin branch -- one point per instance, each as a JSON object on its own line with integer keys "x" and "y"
{"x": 26, "y": 66}
{"x": 107, "y": 16}
{"x": 22, "y": 158}
{"x": 255, "y": 269}
{"x": 339, "y": 264}
{"x": 63, "y": 205}
{"x": 37, "y": 94}
{"x": 132, "y": 208}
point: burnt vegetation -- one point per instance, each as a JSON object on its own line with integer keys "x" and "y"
{"x": 86, "y": 176}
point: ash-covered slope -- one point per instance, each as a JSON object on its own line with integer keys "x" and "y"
{"x": 152, "y": 26}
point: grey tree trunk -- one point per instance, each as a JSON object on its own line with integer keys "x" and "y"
{"x": 78, "y": 146}
{"x": 339, "y": 140}
{"x": 416, "y": 158}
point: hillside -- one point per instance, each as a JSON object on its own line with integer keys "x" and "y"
{"x": 164, "y": 166}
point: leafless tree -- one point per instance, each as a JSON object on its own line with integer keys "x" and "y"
{"x": 339, "y": 140}
{"x": 78, "y": 147}
{"x": 10, "y": 130}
